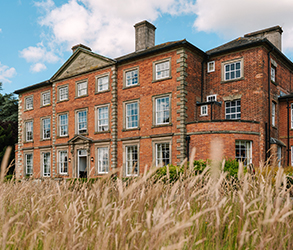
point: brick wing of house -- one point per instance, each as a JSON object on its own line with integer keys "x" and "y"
{"x": 150, "y": 107}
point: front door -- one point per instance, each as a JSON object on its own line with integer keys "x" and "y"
{"x": 82, "y": 163}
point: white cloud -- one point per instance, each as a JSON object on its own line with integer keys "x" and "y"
{"x": 0, "y": 30}
{"x": 105, "y": 26}
{"x": 38, "y": 53}
{"x": 38, "y": 67}
{"x": 6, "y": 73}
{"x": 231, "y": 18}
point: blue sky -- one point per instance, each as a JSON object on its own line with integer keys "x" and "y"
{"x": 36, "y": 36}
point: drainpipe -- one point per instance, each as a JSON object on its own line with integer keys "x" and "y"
{"x": 288, "y": 128}
{"x": 269, "y": 100}
{"x": 202, "y": 77}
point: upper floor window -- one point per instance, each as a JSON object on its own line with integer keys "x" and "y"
{"x": 29, "y": 103}
{"x": 232, "y": 70}
{"x": 81, "y": 121}
{"x": 131, "y": 115}
{"x": 102, "y": 118}
{"x": 46, "y": 128}
{"x": 102, "y": 83}
{"x": 63, "y": 124}
{"x": 29, "y": 131}
{"x": 162, "y": 69}
{"x": 211, "y": 66}
{"x": 63, "y": 93}
{"x": 273, "y": 73}
{"x": 292, "y": 116}
{"x": 204, "y": 110}
{"x": 81, "y": 88}
{"x": 162, "y": 112}
{"x": 131, "y": 77}
{"x": 46, "y": 100}
{"x": 211, "y": 98}
{"x": 273, "y": 114}
{"x": 233, "y": 109}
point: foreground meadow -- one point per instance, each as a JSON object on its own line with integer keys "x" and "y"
{"x": 203, "y": 211}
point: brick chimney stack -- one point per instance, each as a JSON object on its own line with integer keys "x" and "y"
{"x": 144, "y": 35}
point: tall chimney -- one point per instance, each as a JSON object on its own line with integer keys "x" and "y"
{"x": 273, "y": 34}
{"x": 144, "y": 35}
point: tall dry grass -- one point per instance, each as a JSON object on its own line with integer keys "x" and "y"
{"x": 195, "y": 212}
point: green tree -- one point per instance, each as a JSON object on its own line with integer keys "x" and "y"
{"x": 8, "y": 123}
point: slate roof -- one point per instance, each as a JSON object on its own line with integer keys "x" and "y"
{"x": 161, "y": 46}
{"x": 236, "y": 44}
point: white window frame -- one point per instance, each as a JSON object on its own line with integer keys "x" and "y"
{"x": 129, "y": 115}
{"x": 166, "y": 110}
{"x": 236, "y": 112}
{"x": 162, "y": 69}
{"x": 291, "y": 155}
{"x": 27, "y": 131}
{"x": 103, "y": 159}
{"x": 273, "y": 114}
{"x": 247, "y": 151}
{"x": 63, "y": 96}
{"x": 273, "y": 73}
{"x": 46, "y": 98}
{"x": 230, "y": 63}
{"x": 63, "y": 162}
{"x": 292, "y": 116}
{"x": 131, "y": 77}
{"x": 100, "y": 125}
{"x": 211, "y": 66}
{"x": 62, "y": 126}
{"x": 159, "y": 146}
{"x": 30, "y": 165}
{"x": 46, "y": 135}
{"x": 78, "y": 121}
{"x": 47, "y": 173}
{"x": 129, "y": 159}
{"x": 102, "y": 83}
{"x": 81, "y": 88}
{"x": 204, "y": 110}
{"x": 211, "y": 98}
{"x": 29, "y": 103}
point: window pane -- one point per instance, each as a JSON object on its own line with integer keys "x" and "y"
{"x": 162, "y": 110}
{"x": 233, "y": 110}
{"x": 131, "y": 160}
{"x": 132, "y": 115}
{"x": 103, "y": 119}
{"x": 103, "y": 160}
{"x": 162, "y": 154}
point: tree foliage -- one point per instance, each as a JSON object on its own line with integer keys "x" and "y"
{"x": 8, "y": 122}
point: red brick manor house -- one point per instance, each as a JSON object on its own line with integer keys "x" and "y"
{"x": 155, "y": 104}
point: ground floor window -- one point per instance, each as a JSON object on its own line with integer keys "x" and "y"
{"x": 131, "y": 160}
{"x": 29, "y": 164}
{"x": 63, "y": 162}
{"x": 103, "y": 160}
{"x": 162, "y": 153}
{"x": 243, "y": 151}
{"x": 46, "y": 164}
